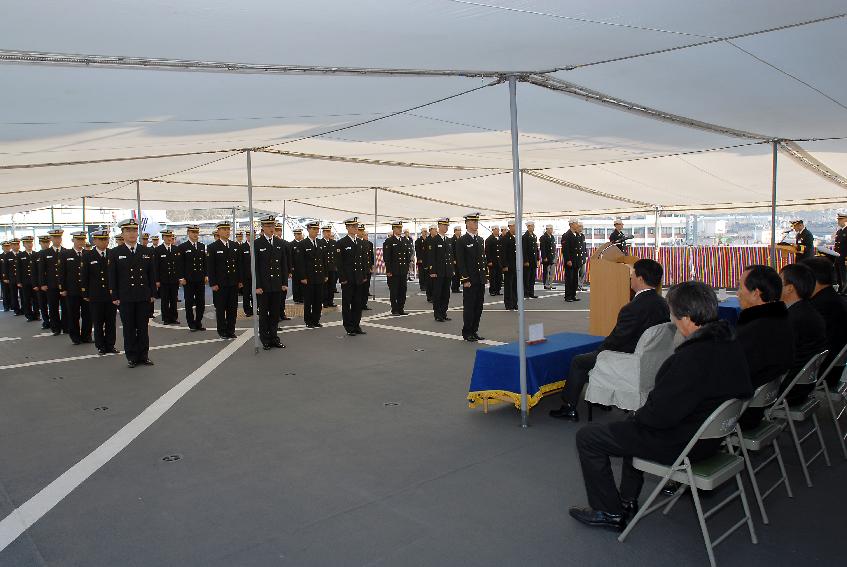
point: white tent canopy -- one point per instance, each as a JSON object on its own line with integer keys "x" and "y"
{"x": 616, "y": 114}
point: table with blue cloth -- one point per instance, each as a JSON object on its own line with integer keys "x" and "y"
{"x": 496, "y": 376}
{"x": 729, "y": 309}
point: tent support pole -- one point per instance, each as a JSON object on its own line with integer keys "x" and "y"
{"x": 518, "y": 189}
{"x": 234, "y": 225}
{"x": 376, "y": 211}
{"x": 138, "y": 203}
{"x": 83, "y": 215}
{"x": 52, "y": 218}
{"x": 252, "y": 255}
{"x": 775, "y": 146}
{"x": 657, "y": 241}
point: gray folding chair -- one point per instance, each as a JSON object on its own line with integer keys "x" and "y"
{"x": 802, "y": 412}
{"x": 758, "y": 439}
{"x": 837, "y": 397}
{"x": 707, "y": 474}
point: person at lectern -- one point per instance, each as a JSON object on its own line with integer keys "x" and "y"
{"x": 647, "y": 308}
{"x": 805, "y": 240}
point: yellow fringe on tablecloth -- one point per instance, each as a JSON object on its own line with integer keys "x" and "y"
{"x": 475, "y": 399}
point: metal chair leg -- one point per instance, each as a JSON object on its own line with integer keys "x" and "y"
{"x": 835, "y": 422}
{"x": 782, "y": 468}
{"x": 799, "y": 449}
{"x": 820, "y": 440}
{"x": 755, "y": 483}
{"x": 700, "y": 517}
{"x": 749, "y": 516}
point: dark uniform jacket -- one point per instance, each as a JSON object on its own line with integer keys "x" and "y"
{"x": 370, "y": 254}
{"x": 330, "y": 253}
{"x": 508, "y": 252}
{"x": 583, "y": 249}
{"x": 646, "y": 309}
{"x": 71, "y": 266}
{"x": 547, "y": 244}
{"x": 704, "y": 371}
{"x": 420, "y": 250}
{"x": 492, "y": 250}
{"x": 615, "y": 236}
{"x": 529, "y": 244}
{"x": 351, "y": 260}
{"x": 11, "y": 267}
{"x": 833, "y": 309}
{"x": 26, "y": 269}
{"x": 223, "y": 263}
{"x": 246, "y": 273}
{"x": 840, "y": 243}
{"x": 310, "y": 261}
{"x": 168, "y": 264}
{"x": 39, "y": 266}
{"x": 764, "y": 334}
{"x": 289, "y": 256}
{"x": 193, "y": 260}
{"x": 807, "y": 241}
{"x": 440, "y": 257}
{"x": 470, "y": 259}
{"x": 51, "y": 274}
{"x": 271, "y": 263}
{"x": 571, "y": 249}
{"x": 396, "y": 254}
{"x": 94, "y": 274}
{"x": 131, "y": 276}
{"x": 3, "y": 265}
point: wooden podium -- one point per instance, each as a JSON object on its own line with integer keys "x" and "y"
{"x": 610, "y": 289}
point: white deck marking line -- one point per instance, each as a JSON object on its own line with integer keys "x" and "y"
{"x": 24, "y": 516}
{"x": 429, "y": 333}
{"x": 47, "y": 334}
{"x": 9, "y": 339}
{"x": 542, "y": 311}
{"x": 85, "y": 356}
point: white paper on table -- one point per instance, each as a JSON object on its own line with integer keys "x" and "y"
{"x": 722, "y": 294}
{"x": 536, "y": 332}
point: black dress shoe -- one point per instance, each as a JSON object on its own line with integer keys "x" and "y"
{"x": 630, "y": 507}
{"x": 200, "y": 328}
{"x": 76, "y": 342}
{"x": 131, "y": 364}
{"x": 440, "y": 319}
{"x": 576, "y": 299}
{"x": 470, "y": 338}
{"x": 567, "y": 412}
{"x": 359, "y": 331}
{"x": 112, "y": 350}
{"x": 278, "y": 345}
{"x": 401, "y": 312}
{"x": 101, "y": 352}
{"x": 598, "y": 518}
{"x": 147, "y": 362}
{"x": 57, "y": 333}
{"x": 45, "y": 325}
{"x": 366, "y": 308}
{"x": 232, "y": 336}
{"x": 266, "y": 347}
{"x": 351, "y": 333}
{"x": 569, "y": 300}
{"x": 446, "y": 318}
{"x": 318, "y": 325}
{"x": 285, "y": 318}
{"x": 87, "y": 340}
{"x": 477, "y": 337}
{"x": 223, "y": 336}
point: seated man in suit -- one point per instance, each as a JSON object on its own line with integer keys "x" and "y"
{"x": 807, "y": 326}
{"x": 707, "y": 369}
{"x": 833, "y": 309}
{"x": 646, "y": 309}
{"x": 764, "y": 331}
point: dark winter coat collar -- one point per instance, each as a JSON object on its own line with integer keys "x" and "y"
{"x": 717, "y": 331}
{"x": 774, "y": 309}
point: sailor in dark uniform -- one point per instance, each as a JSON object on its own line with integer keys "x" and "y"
{"x": 310, "y": 271}
{"x": 471, "y": 266}
{"x": 271, "y": 259}
{"x": 571, "y": 257}
{"x": 805, "y": 240}
{"x": 72, "y": 291}
{"x": 396, "y": 255}
{"x": 442, "y": 266}
{"x": 132, "y": 283}
{"x": 168, "y": 273}
{"x": 4, "y": 280}
{"x": 492, "y": 255}
{"x": 433, "y": 230}
{"x": 840, "y": 247}
{"x": 420, "y": 253}
{"x": 246, "y": 274}
{"x": 192, "y": 277}
{"x": 50, "y": 279}
{"x": 296, "y": 286}
{"x": 287, "y": 269}
{"x": 12, "y": 275}
{"x": 332, "y": 271}
{"x": 509, "y": 266}
{"x": 351, "y": 262}
{"x": 370, "y": 260}
{"x": 529, "y": 242}
{"x": 44, "y": 243}
{"x": 455, "y": 284}
{"x": 95, "y": 292}
{"x": 223, "y": 266}
{"x": 27, "y": 282}
{"x": 617, "y": 236}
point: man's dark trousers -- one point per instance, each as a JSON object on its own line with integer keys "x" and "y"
{"x": 581, "y": 365}
{"x": 595, "y": 444}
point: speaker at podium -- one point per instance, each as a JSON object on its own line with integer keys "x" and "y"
{"x": 610, "y": 289}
